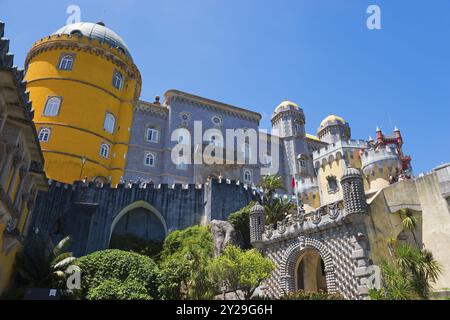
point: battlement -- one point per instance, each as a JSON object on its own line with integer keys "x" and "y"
{"x": 294, "y": 225}
{"x": 78, "y": 185}
{"x": 307, "y": 185}
{"x": 337, "y": 146}
{"x": 382, "y": 156}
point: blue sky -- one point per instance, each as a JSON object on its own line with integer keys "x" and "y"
{"x": 255, "y": 53}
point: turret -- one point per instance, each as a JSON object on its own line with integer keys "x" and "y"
{"x": 333, "y": 129}
{"x": 353, "y": 191}
{"x": 257, "y": 223}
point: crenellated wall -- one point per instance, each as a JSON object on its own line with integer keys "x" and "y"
{"x": 89, "y": 212}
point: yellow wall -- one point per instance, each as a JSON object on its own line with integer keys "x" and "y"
{"x": 87, "y": 95}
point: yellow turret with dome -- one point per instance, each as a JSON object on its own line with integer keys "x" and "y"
{"x": 83, "y": 84}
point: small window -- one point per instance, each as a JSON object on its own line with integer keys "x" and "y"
{"x": 298, "y": 129}
{"x": 44, "y": 135}
{"x": 149, "y": 159}
{"x": 104, "y": 150}
{"x": 117, "y": 80}
{"x": 246, "y": 149}
{"x": 332, "y": 184}
{"x": 66, "y": 62}
{"x": 152, "y": 135}
{"x": 302, "y": 163}
{"x": 52, "y": 106}
{"x": 247, "y": 176}
{"x": 109, "y": 123}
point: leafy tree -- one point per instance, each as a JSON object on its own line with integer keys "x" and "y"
{"x": 116, "y": 274}
{"x": 242, "y": 270}
{"x": 408, "y": 276}
{"x": 240, "y": 220}
{"x": 184, "y": 260}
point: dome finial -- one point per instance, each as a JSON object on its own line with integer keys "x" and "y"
{"x": 101, "y": 23}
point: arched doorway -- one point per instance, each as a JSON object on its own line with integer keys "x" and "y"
{"x": 310, "y": 272}
{"x": 139, "y": 227}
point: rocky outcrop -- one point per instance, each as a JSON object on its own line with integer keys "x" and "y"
{"x": 223, "y": 234}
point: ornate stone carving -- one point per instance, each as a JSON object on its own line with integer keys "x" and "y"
{"x": 316, "y": 216}
{"x": 333, "y": 210}
{"x": 281, "y": 226}
{"x": 268, "y": 231}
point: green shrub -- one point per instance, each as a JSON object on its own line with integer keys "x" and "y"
{"x": 132, "y": 243}
{"x": 116, "y": 274}
{"x": 304, "y": 295}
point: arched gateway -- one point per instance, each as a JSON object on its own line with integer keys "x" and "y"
{"x": 308, "y": 266}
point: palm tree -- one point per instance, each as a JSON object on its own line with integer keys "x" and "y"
{"x": 39, "y": 269}
{"x": 409, "y": 222}
{"x": 270, "y": 184}
{"x": 277, "y": 209}
{"x": 422, "y": 267}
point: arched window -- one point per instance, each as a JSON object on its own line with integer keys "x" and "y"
{"x": 152, "y": 135}
{"x": 149, "y": 159}
{"x": 117, "y": 80}
{"x": 104, "y": 150}
{"x": 247, "y": 176}
{"x": 246, "y": 149}
{"x": 66, "y": 62}
{"x": 110, "y": 122}
{"x": 44, "y": 135}
{"x": 52, "y": 106}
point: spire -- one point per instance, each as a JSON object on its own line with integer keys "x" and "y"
{"x": 396, "y": 129}
{"x": 378, "y": 129}
{"x": 370, "y": 138}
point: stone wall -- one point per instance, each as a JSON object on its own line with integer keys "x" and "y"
{"x": 89, "y": 212}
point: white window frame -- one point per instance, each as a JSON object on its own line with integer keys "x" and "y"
{"x": 66, "y": 62}
{"x": 109, "y": 123}
{"x": 117, "y": 80}
{"x": 150, "y": 155}
{"x": 44, "y": 133}
{"x": 249, "y": 173}
{"x": 105, "y": 150}
{"x": 155, "y": 132}
{"x": 268, "y": 160}
{"x": 52, "y": 108}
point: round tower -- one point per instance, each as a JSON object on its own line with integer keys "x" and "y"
{"x": 257, "y": 223}
{"x": 83, "y": 84}
{"x": 353, "y": 191}
{"x": 288, "y": 120}
{"x": 333, "y": 129}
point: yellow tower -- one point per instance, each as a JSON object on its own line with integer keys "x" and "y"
{"x": 83, "y": 85}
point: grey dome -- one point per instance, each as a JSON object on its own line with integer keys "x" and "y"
{"x": 96, "y": 31}
{"x": 351, "y": 172}
{"x": 257, "y": 208}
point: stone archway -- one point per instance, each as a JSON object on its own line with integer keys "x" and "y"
{"x": 294, "y": 255}
{"x": 141, "y": 219}
{"x": 310, "y": 272}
